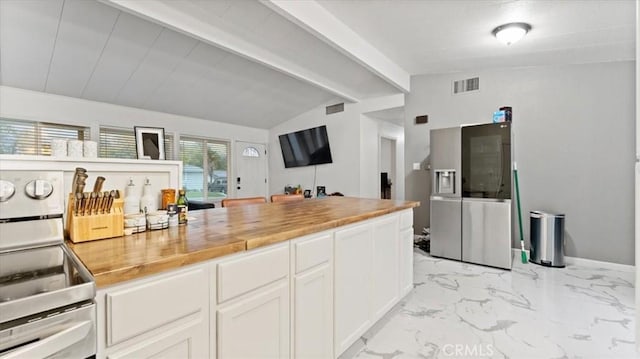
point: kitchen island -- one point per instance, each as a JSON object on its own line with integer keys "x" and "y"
{"x": 293, "y": 279}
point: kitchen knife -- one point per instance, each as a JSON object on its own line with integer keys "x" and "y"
{"x": 77, "y": 203}
{"x": 74, "y": 184}
{"x": 105, "y": 203}
{"x": 113, "y": 195}
{"x": 85, "y": 202}
{"x": 98, "y": 204}
{"x": 97, "y": 186}
{"x": 80, "y": 184}
{"x": 92, "y": 202}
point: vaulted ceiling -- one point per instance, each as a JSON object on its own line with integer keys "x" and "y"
{"x": 259, "y": 63}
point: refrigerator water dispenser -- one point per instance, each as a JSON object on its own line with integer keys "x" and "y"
{"x": 445, "y": 181}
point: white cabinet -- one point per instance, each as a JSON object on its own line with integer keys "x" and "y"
{"x": 353, "y": 257}
{"x": 385, "y": 267}
{"x": 406, "y": 262}
{"x": 406, "y": 252}
{"x": 165, "y": 316}
{"x": 253, "y": 304}
{"x": 181, "y": 342}
{"x": 256, "y": 326}
{"x": 311, "y": 297}
{"x": 373, "y": 269}
{"x": 312, "y": 310}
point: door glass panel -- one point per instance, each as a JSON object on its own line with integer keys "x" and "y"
{"x": 250, "y": 152}
{"x": 486, "y": 161}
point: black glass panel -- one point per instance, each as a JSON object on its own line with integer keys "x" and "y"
{"x": 486, "y": 161}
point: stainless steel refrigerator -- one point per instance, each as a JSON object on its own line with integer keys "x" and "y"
{"x": 446, "y": 200}
{"x": 471, "y": 194}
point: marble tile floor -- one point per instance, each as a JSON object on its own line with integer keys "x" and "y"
{"x": 460, "y": 310}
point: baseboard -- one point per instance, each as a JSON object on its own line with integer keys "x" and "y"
{"x": 588, "y": 262}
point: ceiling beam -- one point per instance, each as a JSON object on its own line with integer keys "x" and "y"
{"x": 321, "y": 23}
{"x": 181, "y": 17}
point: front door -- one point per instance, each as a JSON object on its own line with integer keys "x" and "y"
{"x": 251, "y": 170}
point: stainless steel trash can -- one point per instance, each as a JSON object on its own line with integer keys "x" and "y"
{"x": 547, "y": 238}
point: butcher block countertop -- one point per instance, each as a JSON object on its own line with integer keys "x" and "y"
{"x": 221, "y": 231}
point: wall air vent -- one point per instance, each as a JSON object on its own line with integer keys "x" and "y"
{"x": 339, "y": 107}
{"x": 468, "y": 85}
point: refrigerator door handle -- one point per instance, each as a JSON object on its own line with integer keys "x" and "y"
{"x": 474, "y": 199}
{"x": 447, "y": 199}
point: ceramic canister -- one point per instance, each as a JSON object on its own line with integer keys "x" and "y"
{"x": 74, "y": 148}
{"x": 90, "y": 149}
{"x": 59, "y": 147}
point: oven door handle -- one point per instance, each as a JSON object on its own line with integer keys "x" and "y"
{"x": 52, "y": 344}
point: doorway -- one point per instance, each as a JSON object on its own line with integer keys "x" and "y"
{"x": 251, "y": 170}
{"x": 388, "y": 167}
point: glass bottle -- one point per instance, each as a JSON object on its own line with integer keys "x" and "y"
{"x": 183, "y": 207}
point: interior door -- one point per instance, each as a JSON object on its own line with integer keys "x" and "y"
{"x": 251, "y": 170}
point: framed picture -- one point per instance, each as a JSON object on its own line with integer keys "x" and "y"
{"x": 150, "y": 143}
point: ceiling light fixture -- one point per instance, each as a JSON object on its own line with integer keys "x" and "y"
{"x": 511, "y": 33}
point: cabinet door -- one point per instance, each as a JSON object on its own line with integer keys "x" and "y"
{"x": 313, "y": 314}
{"x": 176, "y": 343}
{"x": 352, "y": 287}
{"x": 385, "y": 265}
{"x": 406, "y": 261}
{"x": 256, "y": 326}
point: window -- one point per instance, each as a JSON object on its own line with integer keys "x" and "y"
{"x": 205, "y": 165}
{"x": 121, "y": 143}
{"x": 250, "y": 152}
{"x": 20, "y": 137}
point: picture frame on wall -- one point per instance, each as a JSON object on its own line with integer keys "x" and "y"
{"x": 150, "y": 143}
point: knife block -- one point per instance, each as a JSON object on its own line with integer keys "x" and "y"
{"x": 95, "y": 226}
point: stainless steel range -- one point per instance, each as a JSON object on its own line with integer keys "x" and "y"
{"x": 46, "y": 295}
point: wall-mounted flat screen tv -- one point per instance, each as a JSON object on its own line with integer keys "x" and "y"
{"x": 306, "y": 148}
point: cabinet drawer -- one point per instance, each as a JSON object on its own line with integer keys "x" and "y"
{"x": 312, "y": 252}
{"x": 406, "y": 219}
{"x": 138, "y": 309}
{"x": 248, "y": 272}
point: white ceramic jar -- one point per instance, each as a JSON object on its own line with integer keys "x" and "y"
{"x": 74, "y": 148}
{"x": 59, "y": 147}
{"x": 90, "y": 149}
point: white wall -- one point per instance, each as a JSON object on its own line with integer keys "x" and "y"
{"x": 637, "y": 176}
{"x": 355, "y": 144}
{"x": 340, "y": 176}
{"x": 39, "y": 106}
{"x": 369, "y": 158}
{"x": 574, "y": 135}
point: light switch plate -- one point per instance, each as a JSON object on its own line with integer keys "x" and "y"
{"x": 416, "y": 165}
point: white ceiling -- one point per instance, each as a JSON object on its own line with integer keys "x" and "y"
{"x": 438, "y": 36}
{"x": 257, "y": 63}
{"x": 90, "y": 50}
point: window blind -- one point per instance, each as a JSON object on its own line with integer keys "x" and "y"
{"x": 121, "y": 143}
{"x": 21, "y": 137}
{"x": 117, "y": 143}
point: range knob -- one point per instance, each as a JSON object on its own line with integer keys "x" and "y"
{"x": 7, "y": 190}
{"x": 38, "y": 189}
